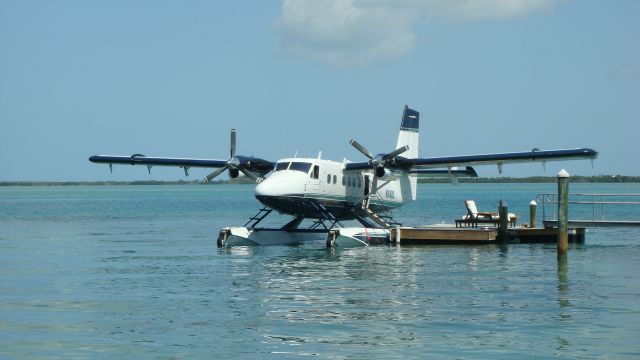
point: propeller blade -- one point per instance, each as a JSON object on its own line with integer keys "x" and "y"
{"x": 361, "y": 148}
{"x": 395, "y": 152}
{"x": 233, "y": 143}
{"x": 248, "y": 174}
{"x": 215, "y": 173}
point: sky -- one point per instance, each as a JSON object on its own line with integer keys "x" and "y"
{"x": 171, "y": 78}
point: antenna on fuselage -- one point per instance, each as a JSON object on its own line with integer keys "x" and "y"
{"x": 319, "y": 154}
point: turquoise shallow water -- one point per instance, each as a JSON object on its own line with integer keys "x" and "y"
{"x": 134, "y": 271}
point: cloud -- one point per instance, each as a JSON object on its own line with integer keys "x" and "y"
{"x": 489, "y": 9}
{"x": 346, "y": 32}
{"x": 361, "y": 32}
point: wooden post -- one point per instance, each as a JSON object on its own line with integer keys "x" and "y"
{"x": 503, "y": 221}
{"x": 563, "y": 209}
{"x": 533, "y": 205}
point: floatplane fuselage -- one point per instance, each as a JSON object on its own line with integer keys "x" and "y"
{"x": 298, "y": 185}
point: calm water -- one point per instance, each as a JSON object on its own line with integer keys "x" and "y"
{"x": 113, "y": 272}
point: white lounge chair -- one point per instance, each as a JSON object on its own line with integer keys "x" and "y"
{"x": 475, "y": 217}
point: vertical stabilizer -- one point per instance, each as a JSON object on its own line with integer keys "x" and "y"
{"x": 409, "y": 135}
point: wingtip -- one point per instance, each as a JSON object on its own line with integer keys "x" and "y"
{"x": 591, "y": 152}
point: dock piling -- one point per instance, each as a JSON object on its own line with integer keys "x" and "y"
{"x": 563, "y": 208}
{"x": 503, "y": 221}
{"x": 533, "y": 205}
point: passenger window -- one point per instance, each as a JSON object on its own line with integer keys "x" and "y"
{"x": 328, "y": 178}
{"x": 343, "y": 181}
{"x": 359, "y": 182}
{"x": 316, "y": 172}
{"x": 335, "y": 179}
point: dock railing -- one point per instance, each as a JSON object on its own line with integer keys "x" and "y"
{"x": 593, "y": 209}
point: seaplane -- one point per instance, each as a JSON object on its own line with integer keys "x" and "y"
{"x": 328, "y": 193}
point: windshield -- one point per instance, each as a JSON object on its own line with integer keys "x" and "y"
{"x": 282, "y": 166}
{"x": 301, "y": 166}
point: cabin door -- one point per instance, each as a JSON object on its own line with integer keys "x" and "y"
{"x": 366, "y": 185}
{"x": 314, "y": 183}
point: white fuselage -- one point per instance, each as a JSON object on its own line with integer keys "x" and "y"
{"x": 298, "y": 185}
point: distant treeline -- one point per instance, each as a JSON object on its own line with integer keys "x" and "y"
{"x": 479, "y": 180}
{"x": 539, "y": 179}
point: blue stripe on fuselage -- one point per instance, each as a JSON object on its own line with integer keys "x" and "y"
{"x": 298, "y": 204}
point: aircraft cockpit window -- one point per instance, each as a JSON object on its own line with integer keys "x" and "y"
{"x": 282, "y": 166}
{"x": 300, "y": 166}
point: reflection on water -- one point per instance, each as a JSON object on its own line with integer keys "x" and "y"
{"x": 309, "y": 301}
{"x": 563, "y": 283}
{"x": 563, "y": 298}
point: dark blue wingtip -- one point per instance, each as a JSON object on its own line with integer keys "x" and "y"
{"x": 591, "y": 152}
{"x": 93, "y": 158}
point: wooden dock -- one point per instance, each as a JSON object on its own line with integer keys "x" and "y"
{"x": 473, "y": 236}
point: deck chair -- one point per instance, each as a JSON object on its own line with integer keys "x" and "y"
{"x": 475, "y": 217}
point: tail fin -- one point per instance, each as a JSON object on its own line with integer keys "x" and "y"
{"x": 409, "y": 135}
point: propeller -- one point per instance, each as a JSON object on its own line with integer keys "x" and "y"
{"x": 234, "y": 165}
{"x": 233, "y": 143}
{"x": 377, "y": 163}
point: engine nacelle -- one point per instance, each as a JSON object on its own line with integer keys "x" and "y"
{"x": 233, "y": 173}
{"x": 380, "y": 172}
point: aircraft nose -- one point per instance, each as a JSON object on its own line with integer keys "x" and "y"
{"x": 281, "y": 185}
{"x": 263, "y": 189}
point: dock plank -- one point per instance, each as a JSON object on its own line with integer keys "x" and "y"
{"x": 445, "y": 235}
{"x": 452, "y": 235}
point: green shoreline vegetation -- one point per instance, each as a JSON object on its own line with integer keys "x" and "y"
{"x": 443, "y": 180}
{"x": 538, "y": 179}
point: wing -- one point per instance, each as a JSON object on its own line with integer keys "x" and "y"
{"x": 244, "y": 164}
{"x": 250, "y": 166}
{"x": 499, "y": 159}
{"x": 139, "y": 159}
{"x": 413, "y": 165}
